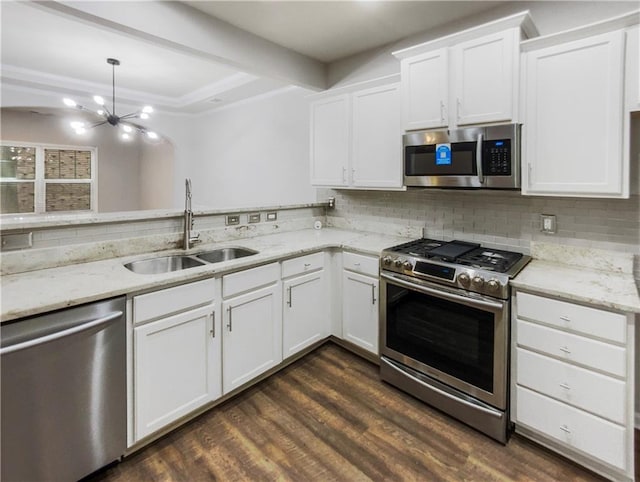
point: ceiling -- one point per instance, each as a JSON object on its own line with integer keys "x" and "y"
{"x": 45, "y": 48}
{"x": 331, "y": 30}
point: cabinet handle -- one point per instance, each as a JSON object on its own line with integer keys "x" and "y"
{"x": 373, "y": 294}
{"x": 458, "y": 104}
{"x": 442, "y": 111}
{"x": 565, "y": 350}
{"x": 306, "y": 265}
{"x": 289, "y": 294}
{"x": 565, "y": 386}
{"x": 213, "y": 324}
{"x": 530, "y": 169}
{"x": 565, "y": 429}
{"x": 565, "y": 318}
{"x": 229, "y": 324}
{"x": 344, "y": 174}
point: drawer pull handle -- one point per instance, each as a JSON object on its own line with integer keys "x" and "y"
{"x": 565, "y": 350}
{"x": 229, "y": 325}
{"x": 213, "y": 324}
{"x": 356, "y": 264}
{"x": 565, "y": 318}
{"x": 565, "y": 429}
{"x": 565, "y": 386}
{"x": 306, "y": 265}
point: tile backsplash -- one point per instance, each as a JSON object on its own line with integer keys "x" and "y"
{"x": 497, "y": 219}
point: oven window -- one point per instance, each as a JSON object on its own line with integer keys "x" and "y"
{"x": 453, "y": 338}
{"x": 421, "y": 161}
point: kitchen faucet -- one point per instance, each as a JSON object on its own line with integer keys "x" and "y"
{"x": 188, "y": 239}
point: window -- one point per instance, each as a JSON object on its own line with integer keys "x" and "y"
{"x": 43, "y": 179}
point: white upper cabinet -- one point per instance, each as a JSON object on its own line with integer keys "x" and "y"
{"x": 573, "y": 119}
{"x": 425, "y": 90}
{"x": 330, "y": 140}
{"x": 632, "y": 79}
{"x": 485, "y": 72}
{"x": 376, "y": 159}
{"x": 467, "y": 78}
{"x": 356, "y": 139}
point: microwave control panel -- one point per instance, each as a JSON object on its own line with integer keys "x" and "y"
{"x": 496, "y": 157}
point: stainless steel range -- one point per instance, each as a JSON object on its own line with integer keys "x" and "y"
{"x": 444, "y": 327}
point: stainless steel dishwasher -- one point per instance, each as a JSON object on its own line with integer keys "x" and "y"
{"x": 63, "y": 398}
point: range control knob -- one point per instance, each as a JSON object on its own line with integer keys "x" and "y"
{"x": 386, "y": 261}
{"x": 493, "y": 285}
{"x": 408, "y": 266}
{"x": 477, "y": 282}
{"x": 398, "y": 262}
{"x": 464, "y": 280}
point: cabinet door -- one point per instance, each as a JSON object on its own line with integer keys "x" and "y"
{"x": 330, "y": 141}
{"x": 252, "y": 333}
{"x": 177, "y": 368}
{"x": 377, "y": 138}
{"x": 305, "y": 318}
{"x": 485, "y": 75}
{"x": 572, "y": 132}
{"x": 425, "y": 90}
{"x": 360, "y": 310}
{"x": 632, "y": 69}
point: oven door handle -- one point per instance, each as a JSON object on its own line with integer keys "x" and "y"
{"x": 443, "y": 294}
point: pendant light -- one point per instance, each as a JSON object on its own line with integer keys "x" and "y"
{"x": 110, "y": 116}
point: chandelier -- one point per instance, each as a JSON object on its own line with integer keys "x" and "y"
{"x": 109, "y": 116}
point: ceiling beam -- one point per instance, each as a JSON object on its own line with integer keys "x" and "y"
{"x": 183, "y": 28}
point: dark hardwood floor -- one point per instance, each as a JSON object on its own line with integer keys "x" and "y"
{"x": 328, "y": 417}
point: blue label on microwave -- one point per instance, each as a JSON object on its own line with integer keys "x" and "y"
{"x": 443, "y": 154}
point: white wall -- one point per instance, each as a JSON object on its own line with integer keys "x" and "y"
{"x": 548, "y": 16}
{"x": 254, "y": 153}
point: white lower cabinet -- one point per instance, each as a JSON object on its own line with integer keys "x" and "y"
{"x": 572, "y": 387}
{"x": 251, "y": 324}
{"x": 176, "y": 358}
{"x": 360, "y": 301}
{"x": 305, "y": 311}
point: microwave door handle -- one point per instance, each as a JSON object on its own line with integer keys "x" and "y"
{"x": 479, "y": 159}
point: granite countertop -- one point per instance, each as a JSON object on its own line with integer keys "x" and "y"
{"x": 606, "y": 284}
{"x": 35, "y": 292}
{"x": 587, "y": 275}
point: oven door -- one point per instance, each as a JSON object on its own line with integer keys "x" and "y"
{"x": 455, "y": 337}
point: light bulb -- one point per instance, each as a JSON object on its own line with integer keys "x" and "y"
{"x": 152, "y": 135}
{"x": 147, "y": 109}
{"x": 98, "y": 100}
{"x": 77, "y": 125}
{"x": 80, "y": 130}
{"x": 126, "y": 128}
{"x": 144, "y": 115}
{"x": 69, "y": 102}
{"x": 125, "y": 136}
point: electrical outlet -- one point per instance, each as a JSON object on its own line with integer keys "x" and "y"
{"x": 233, "y": 219}
{"x": 272, "y": 216}
{"x": 254, "y": 218}
{"x": 548, "y": 223}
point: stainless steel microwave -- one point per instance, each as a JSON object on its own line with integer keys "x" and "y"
{"x": 476, "y": 157}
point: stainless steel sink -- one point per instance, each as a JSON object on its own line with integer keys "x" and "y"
{"x": 164, "y": 264}
{"x": 225, "y": 254}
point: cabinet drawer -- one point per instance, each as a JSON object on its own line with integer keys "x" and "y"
{"x": 581, "y": 319}
{"x": 172, "y": 300}
{"x": 592, "y": 435}
{"x": 302, "y": 264}
{"x": 360, "y": 263}
{"x": 250, "y": 279}
{"x": 573, "y": 348}
{"x": 596, "y": 393}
